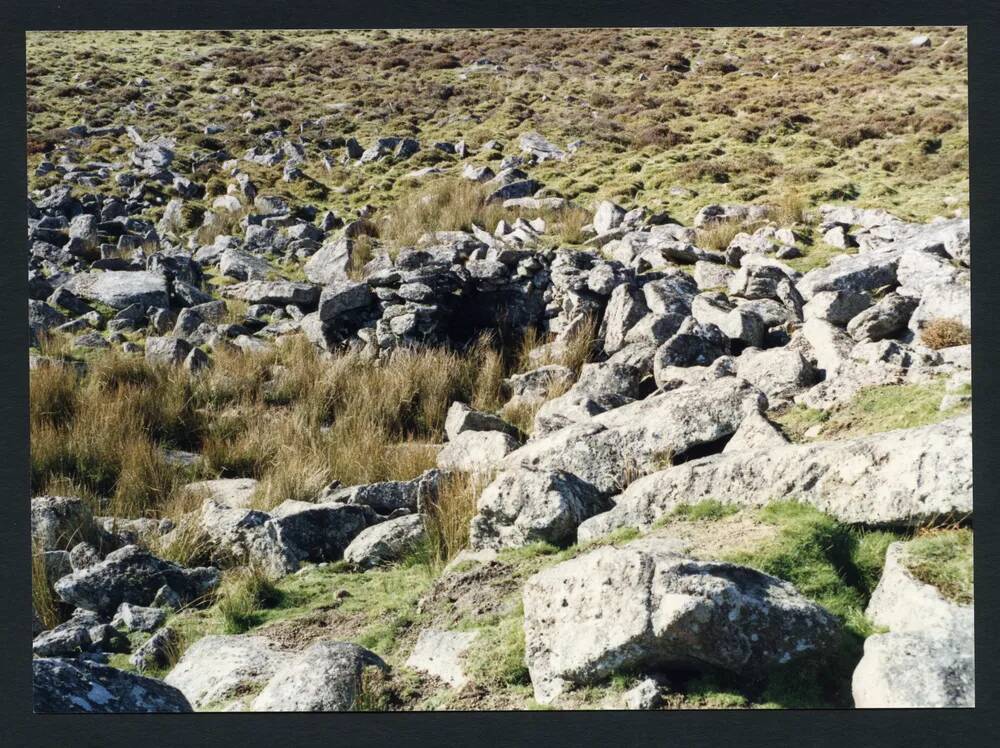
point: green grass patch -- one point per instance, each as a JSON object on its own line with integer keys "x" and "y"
{"x": 872, "y": 410}
{"x": 707, "y": 509}
{"x": 943, "y": 558}
{"x": 836, "y": 566}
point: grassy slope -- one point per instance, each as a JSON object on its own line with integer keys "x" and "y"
{"x": 849, "y": 114}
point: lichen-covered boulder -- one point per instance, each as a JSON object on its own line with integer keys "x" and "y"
{"x": 80, "y": 686}
{"x": 641, "y": 606}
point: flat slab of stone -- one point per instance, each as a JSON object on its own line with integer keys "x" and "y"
{"x": 121, "y": 288}
{"x": 902, "y": 477}
{"x": 440, "y": 653}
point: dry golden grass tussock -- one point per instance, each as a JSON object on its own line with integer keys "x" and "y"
{"x": 945, "y": 333}
{"x": 44, "y": 601}
{"x": 717, "y": 234}
{"x": 447, "y": 516}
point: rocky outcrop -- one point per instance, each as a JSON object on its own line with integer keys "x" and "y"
{"x": 621, "y": 444}
{"x": 386, "y": 542}
{"x": 132, "y": 575}
{"x": 902, "y": 477}
{"x": 216, "y": 669}
{"x": 324, "y": 677}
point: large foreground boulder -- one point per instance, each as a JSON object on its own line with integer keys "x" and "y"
{"x": 324, "y": 677}
{"x": 927, "y": 658}
{"x": 616, "y": 446}
{"x": 79, "y": 686}
{"x": 643, "y": 607}
{"x": 219, "y": 668}
{"x": 902, "y": 477}
{"x": 132, "y": 575}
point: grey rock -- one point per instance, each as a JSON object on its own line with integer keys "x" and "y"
{"x": 643, "y": 696}
{"x": 138, "y": 617}
{"x": 341, "y": 297}
{"x": 132, "y": 575}
{"x": 756, "y": 432}
{"x": 236, "y": 263}
{"x": 779, "y": 373}
{"x": 316, "y": 532}
{"x": 927, "y": 657}
{"x": 476, "y": 451}
{"x": 83, "y": 556}
{"x": 600, "y": 387}
{"x": 641, "y": 606}
{"x": 167, "y": 351}
{"x": 537, "y": 384}
{"x": 461, "y": 418}
{"x": 59, "y": 522}
{"x": 836, "y": 307}
{"x": 120, "y": 288}
{"x": 616, "y": 446}
{"x": 331, "y": 263}
{"x": 859, "y": 273}
{"x": 68, "y": 639}
{"x": 160, "y": 650}
{"x": 523, "y": 506}
{"x": 79, "y": 686}
{"x": 279, "y": 293}
{"x": 625, "y": 308}
{"x": 943, "y": 301}
{"x": 216, "y": 669}
{"x": 888, "y": 318}
{"x": 903, "y": 477}
{"x": 230, "y": 492}
{"x": 440, "y": 653}
{"x": 324, "y": 677}
{"x": 607, "y": 216}
{"x": 386, "y": 542}
{"x": 694, "y": 344}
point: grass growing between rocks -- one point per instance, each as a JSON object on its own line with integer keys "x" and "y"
{"x": 709, "y": 509}
{"x": 943, "y": 558}
{"x": 836, "y": 566}
{"x": 245, "y": 594}
{"x": 871, "y": 411}
{"x": 44, "y": 601}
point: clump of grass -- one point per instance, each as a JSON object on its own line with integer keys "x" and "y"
{"x": 44, "y": 601}
{"x": 707, "y": 509}
{"x": 943, "y": 558}
{"x": 374, "y": 691}
{"x": 573, "y": 351}
{"x": 496, "y": 659}
{"x": 945, "y": 333}
{"x": 451, "y": 204}
{"x": 361, "y": 255}
{"x": 718, "y": 234}
{"x": 242, "y": 598}
{"x": 52, "y": 394}
{"x": 878, "y": 409}
{"x": 187, "y": 545}
{"x": 447, "y": 516}
{"x": 790, "y": 209}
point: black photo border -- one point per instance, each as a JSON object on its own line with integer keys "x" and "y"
{"x": 903, "y": 727}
